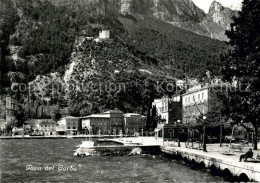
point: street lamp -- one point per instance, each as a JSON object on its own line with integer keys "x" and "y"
{"x": 142, "y": 135}
{"x": 179, "y": 143}
{"x": 204, "y": 134}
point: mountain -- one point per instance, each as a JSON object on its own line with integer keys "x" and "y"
{"x": 214, "y": 23}
{"x": 182, "y": 13}
{"x": 172, "y": 11}
{"x": 217, "y": 21}
{"x": 167, "y": 10}
{"x": 53, "y": 47}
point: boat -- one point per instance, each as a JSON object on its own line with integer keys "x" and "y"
{"x": 85, "y": 149}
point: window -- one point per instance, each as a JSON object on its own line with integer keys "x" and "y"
{"x": 189, "y": 99}
{"x": 198, "y": 97}
{"x": 185, "y": 100}
{"x": 202, "y": 96}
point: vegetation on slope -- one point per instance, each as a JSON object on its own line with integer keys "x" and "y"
{"x": 173, "y": 46}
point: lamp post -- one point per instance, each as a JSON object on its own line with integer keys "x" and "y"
{"x": 142, "y": 135}
{"x": 142, "y": 131}
{"x": 220, "y": 133}
{"x": 188, "y": 130}
{"x": 204, "y": 134}
{"x": 179, "y": 143}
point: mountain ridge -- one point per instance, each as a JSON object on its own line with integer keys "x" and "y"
{"x": 181, "y": 13}
{"x": 46, "y": 40}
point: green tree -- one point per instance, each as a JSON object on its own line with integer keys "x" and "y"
{"x": 241, "y": 64}
{"x": 55, "y": 113}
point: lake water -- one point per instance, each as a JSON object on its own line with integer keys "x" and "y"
{"x": 52, "y": 160}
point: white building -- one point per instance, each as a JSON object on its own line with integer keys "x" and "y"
{"x": 104, "y": 34}
{"x": 125, "y": 6}
{"x": 168, "y": 107}
{"x": 202, "y": 99}
{"x": 195, "y": 103}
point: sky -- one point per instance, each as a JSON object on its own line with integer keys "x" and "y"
{"x": 205, "y": 4}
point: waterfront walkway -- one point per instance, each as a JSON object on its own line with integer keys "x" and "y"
{"x": 223, "y": 158}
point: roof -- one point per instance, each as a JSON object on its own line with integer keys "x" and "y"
{"x": 114, "y": 111}
{"x": 97, "y": 116}
{"x": 131, "y": 114}
{"x": 195, "y": 89}
{"x": 157, "y": 100}
{"x": 69, "y": 117}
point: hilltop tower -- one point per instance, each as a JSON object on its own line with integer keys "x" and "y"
{"x": 104, "y": 34}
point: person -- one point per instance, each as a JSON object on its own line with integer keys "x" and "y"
{"x": 248, "y": 154}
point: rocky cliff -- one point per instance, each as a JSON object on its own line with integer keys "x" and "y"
{"x": 181, "y": 13}
{"x": 217, "y": 21}
{"x": 167, "y": 10}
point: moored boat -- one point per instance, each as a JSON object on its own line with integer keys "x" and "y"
{"x": 85, "y": 149}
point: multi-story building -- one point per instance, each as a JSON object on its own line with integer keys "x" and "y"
{"x": 11, "y": 108}
{"x": 202, "y": 99}
{"x": 133, "y": 123}
{"x": 109, "y": 122}
{"x": 195, "y": 103}
{"x": 2, "y": 107}
{"x": 48, "y": 127}
{"x": 100, "y": 121}
{"x": 61, "y": 127}
{"x": 45, "y": 127}
{"x": 69, "y": 126}
{"x": 73, "y": 125}
{"x": 168, "y": 108}
{"x": 3, "y": 125}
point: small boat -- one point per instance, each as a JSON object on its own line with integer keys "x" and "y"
{"x": 84, "y": 149}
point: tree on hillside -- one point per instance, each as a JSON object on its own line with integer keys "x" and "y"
{"x": 55, "y": 113}
{"x": 241, "y": 64}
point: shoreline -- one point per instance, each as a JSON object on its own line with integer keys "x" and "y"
{"x": 55, "y": 137}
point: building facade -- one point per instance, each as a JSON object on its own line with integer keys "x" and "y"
{"x": 104, "y": 34}
{"x": 3, "y": 126}
{"x": 73, "y": 125}
{"x": 11, "y": 108}
{"x": 47, "y": 128}
{"x": 125, "y": 6}
{"x": 109, "y": 122}
{"x": 97, "y": 121}
{"x": 202, "y": 100}
{"x": 168, "y": 108}
{"x": 42, "y": 127}
{"x": 133, "y": 123}
{"x": 61, "y": 127}
{"x": 195, "y": 103}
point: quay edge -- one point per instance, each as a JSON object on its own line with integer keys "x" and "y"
{"x": 244, "y": 171}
